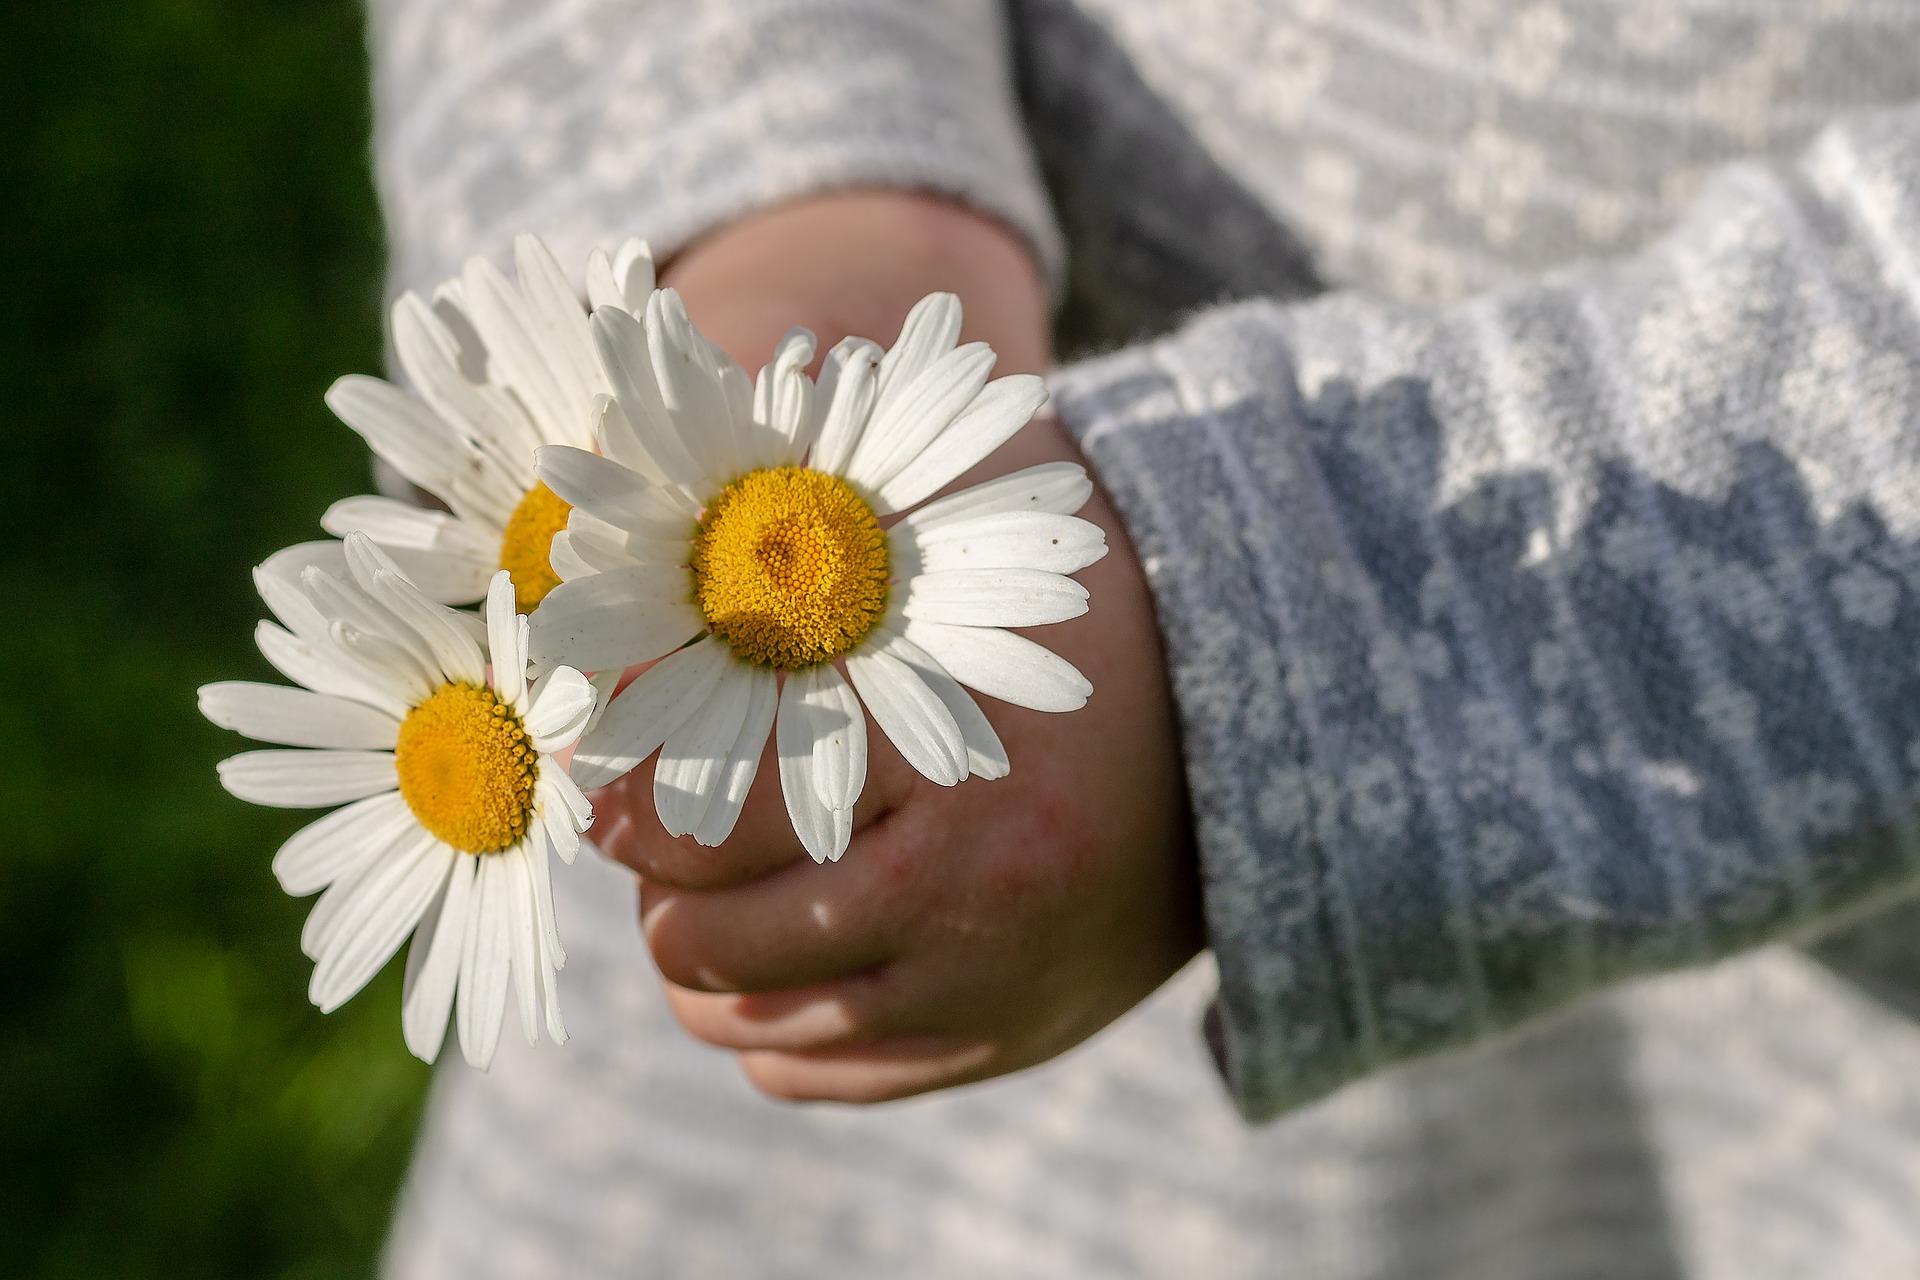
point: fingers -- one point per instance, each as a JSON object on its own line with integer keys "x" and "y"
{"x": 762, "y": 841}
{"x": 878, "y": 1072}
{"x": 801, "y": 925}
{"x": 826, "y": 1015}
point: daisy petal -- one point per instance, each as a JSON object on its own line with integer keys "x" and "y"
{"x": 783, "y": 402}
{"x": 616, "y": 619}
{"x": 1009, "y": 540}
{"x": 308, "y": 779}
{"x": 392, "y": 523}
{"x": 903, "y": 427}
{"x": 508, "y": 326}
{"x": 562, "y": 701}
{"x": 321, "y": 670}
{"x": 289, "y": 563}
{"x": 1058, "y": 487}
{"x": 523, "y": 932}
{"x": 611, "y": 491}
{"x": 431, "y": 352}
{"x": 386, "y": 906}
{"x": 451, "y": 644}
{"x": 693, "y": 756}
{"x": 636, "y": 429}
{"x": 441, "y": 937}
{"x": 503, "y": 640}
{"x": 1003, "y": 665}
{"x": 446, "y": 578}
{"x": 695, "y": 397}
{"x": 907, "y": 711}
{"x": 560, "y": 331}
{"x": 340, "y": 844}
{"x": 994, "y": 598}
{"x": 637, "y": 722}
{"x": 484, "y": 960}
{"x": 541, "y": 867}
{"x": 634, "y": 273}
{"x": 931, "y": 330}
{"x": 555, "y": 821}
{"x": 849, "y": 384}
{"x": 823, "y": 832}
{"x": 1006, "y": 405}
{"x": 743, "y": 760}
{"x": 569, "y": 803}
{"x": 408, "y": 434}
{"x": 546, "y": 935}
{"x": 986, "y": 756}
{"x": 295, "y": 717}
{"x": 830, "y": 715}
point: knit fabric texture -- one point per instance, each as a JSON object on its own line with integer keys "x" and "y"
{"x": 1531, "y": 508}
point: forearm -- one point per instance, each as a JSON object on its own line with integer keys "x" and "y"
{"x": 1546, "y": 639}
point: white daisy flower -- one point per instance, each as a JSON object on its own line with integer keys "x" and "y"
{"x": 499, "y": 367}
{"x": 746, "y": 518}
{"x": 453, "y": 799}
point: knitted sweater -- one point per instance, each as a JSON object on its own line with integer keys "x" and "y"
{"x": 1534, "y": 535}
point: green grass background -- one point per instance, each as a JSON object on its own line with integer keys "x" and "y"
{"x": 191, "y": 252}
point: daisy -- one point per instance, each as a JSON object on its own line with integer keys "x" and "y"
{"x": 500, "y": 367}
{"x": 445, "y": 767}
{"x": 733, "y": 530}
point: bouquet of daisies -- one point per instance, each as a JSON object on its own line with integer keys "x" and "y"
{"x": 615, "y": 493}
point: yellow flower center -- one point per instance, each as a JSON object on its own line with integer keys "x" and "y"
{"x": 526, "y": 542}
{"x": 790, "y": 567}
{"x": 467, "y": 768}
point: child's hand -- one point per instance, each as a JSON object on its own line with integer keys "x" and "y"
{"x": 972, "y": 930}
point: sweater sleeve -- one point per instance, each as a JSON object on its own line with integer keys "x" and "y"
{"x": 592, "y": 120}
{"x": 1561, "y": 635}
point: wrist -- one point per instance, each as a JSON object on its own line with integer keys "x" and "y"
{"x": 855, "y": 262}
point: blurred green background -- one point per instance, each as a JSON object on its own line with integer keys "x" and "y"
{"x": 192, "y": 251}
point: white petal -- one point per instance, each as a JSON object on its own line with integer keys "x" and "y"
{"x": 783, "y": 402}
{"x": 826, "y": 711}
{"x": 633, "y": 272}
{"x": 485, "y": 958}
{"x": 695, "y": 754}
{"x": 931, "y": 330}
{"x": 439, "y": 941}
{"x": 349, "y": 602}
{"x": 823, "y": 832}
{"x": 328, "y": 917}
{"x": 508, "y": 325}
{"x": 431, "y": 351}
{"x": 555, "y": 820}
{"x": 613, "y": 492}
{"x": 523, "y": 931}
{"x": 653, "y": 706}
{"x": 503, "y": 640}
{"x": 560, "y": 792}
{"x": 642, "y": 434}
{"x": 453, "y": 647}
{"x": 308, "y": 779}
{"x": 904, "y": 426}
{"x": 994, "y": 598}
{"x": 323, "y": 671}
{"x": 547, "y": 935}
{"x": 401, "y": 429}
{"x": 1009, "y": 540}
{"x": 1006, "y": 405}
{"x": 295, "y": 717}
{"x": 342, "y": 843}
{"x": 909, "y": 713}
{"x": 541, "y": 868}
{"x": 395, "y": 524}
{"x": 562, "y": 702}
{"x": 1058, "y": 487}
{"x": 1003, "y": 665}
{"x": 617, "y": 619}
{"x": 694, "y": 395}
{"x": 743, "y": 760}
{"x": 560, "y": 331}
{"x": 383, "y": 663}
{"x": 386, "y": 905}
{"x": 447, "y": 578}
{"x": 986, "y": 755}
{"x": 289, "y": 563}
{"x": 849, "y": 384}
{"x": 279, "y": 580}
{"x": 613, "y": 547}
